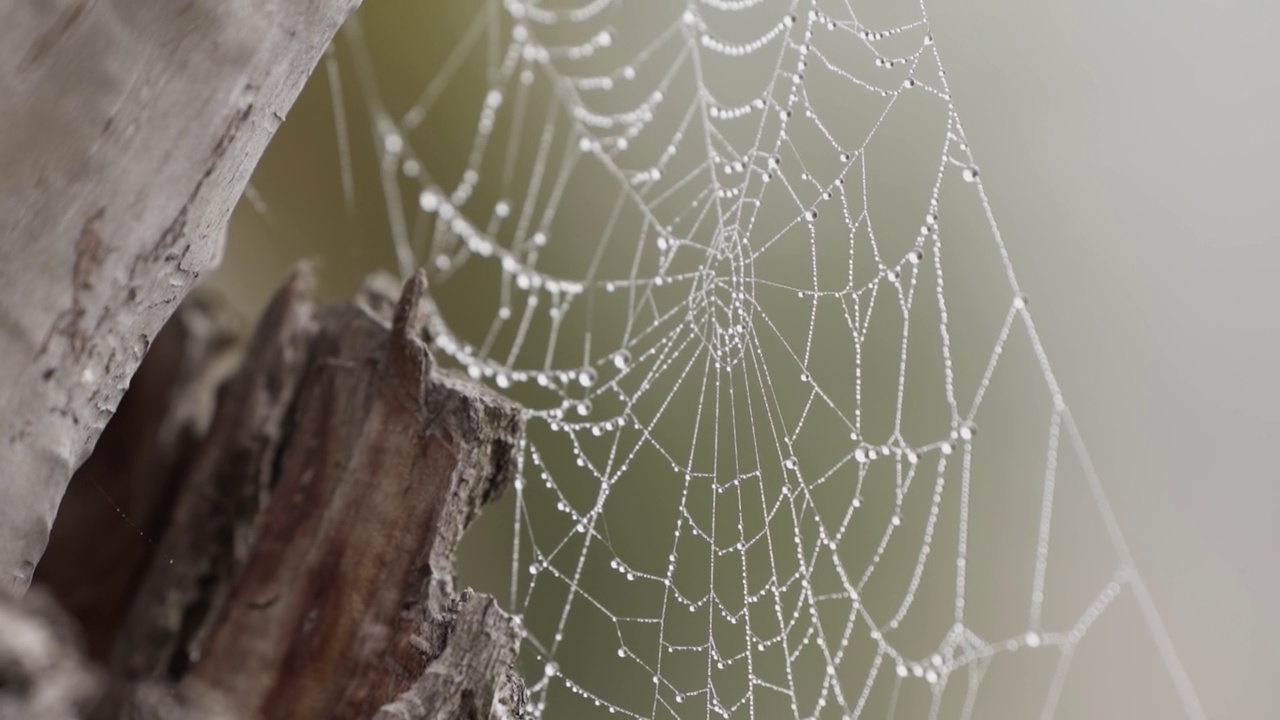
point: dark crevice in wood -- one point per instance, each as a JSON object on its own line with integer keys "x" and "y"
{"x": 119, "y": 502}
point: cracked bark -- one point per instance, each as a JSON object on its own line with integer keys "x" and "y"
{"x": 307, "y": 568}
{"x": 312, "y": 576}
{"x": 129, "y": 130}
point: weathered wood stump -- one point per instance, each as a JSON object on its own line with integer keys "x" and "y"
{"x": 305, "y": 568}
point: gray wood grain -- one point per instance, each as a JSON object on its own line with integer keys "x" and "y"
{"x": 128, "y": 130}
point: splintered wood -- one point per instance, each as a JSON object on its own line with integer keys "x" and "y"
{"x": 307, "y": 568}
{"x": 384, "y": 464}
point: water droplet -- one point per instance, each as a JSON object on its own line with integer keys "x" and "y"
{"x": 970, "y": 174}
{"x": 622, "y": 359}
{"x": 587, "y": 377}
{"x": 1032, "y": 639}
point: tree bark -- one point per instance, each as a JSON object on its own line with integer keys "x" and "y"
{"x": 128, "y": 130}
{"x": 306, "y": 561}
{"x": 308, "y": 571}
{"x": 307, "y": 568}
{"x": 384, "y": 462}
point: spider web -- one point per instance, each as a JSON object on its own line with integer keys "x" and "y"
{"x": 703, "y": 242}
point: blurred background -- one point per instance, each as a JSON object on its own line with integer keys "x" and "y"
{"x": 1126, "y": 151}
